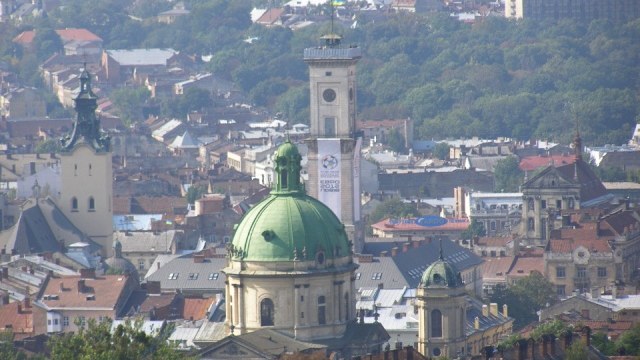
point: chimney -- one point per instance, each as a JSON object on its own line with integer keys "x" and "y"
{"x": 81, "y": 285}
{"x": 485, "y": 310}
{"x": 394, "y": 251}
{"x": 198, "y": 258}
{"x": 153, "y": 287}
{"x": 384, "y": 253}
{"x": 476, "y": 323}
{"x": 614, "y": 291}
{"x": 505, "y": 310}
{"x": 32, "y": 168}
{"x": 405, "y": 247}
{"x": 493, "y": 309}
{"x": 61, "y": 286}
{"x": 88, "y": 273}
{"x": 27, "y": 302}
{"x": 19, "y": 308}
{"x": 5, "y": 272}
{"x": 5, "y": 299}
{"x": 415, "y": 243}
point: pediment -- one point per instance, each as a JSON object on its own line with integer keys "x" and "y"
{"x": 232, "y": 349}
{"x": 548, "y": 179}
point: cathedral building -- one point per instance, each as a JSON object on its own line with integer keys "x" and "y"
{"x": 87, "y": 178}
{"x": 291, "y": 269}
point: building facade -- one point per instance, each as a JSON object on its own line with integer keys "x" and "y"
{"x": 334, "y": 149}
{"x": 85, "y": 166}
{"x": 615, "y": 10}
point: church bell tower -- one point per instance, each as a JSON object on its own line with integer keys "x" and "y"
{"x": 334, "y": 148}
{"x": 87, "y": 176}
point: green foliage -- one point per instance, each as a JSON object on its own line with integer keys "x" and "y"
{"x": 193, "y": 99}
{"x": 95, "y": 341}
{"x": 195, "y": 192}
{"x": 8, "y": 351}
{"x": 129, "y": 102}
{"x": 527, "y": 296}
{"x": 441, "y": 151}
{"x": 601, "y": 342}
{"x": 509, "y": 342}
{"x": 476, "y": 228}
{"x": 396, "y": 141}
{"x": 393, "y": 208}
{"x": 507, "y": 174}
{"x": 629, "y": 342}
{"x": 576, "y": 351}
{"x": 46, "y": 42}
{"x": 50, "y": 146}
{"x": 555, "y": 327}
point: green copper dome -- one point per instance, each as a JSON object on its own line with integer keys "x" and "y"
{"x": 441, "y": 274}
{"x": 289, "y": 225}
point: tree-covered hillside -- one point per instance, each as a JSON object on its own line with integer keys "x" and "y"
{"x": 493, "y": 78}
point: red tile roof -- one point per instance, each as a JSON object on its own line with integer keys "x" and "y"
{"x": 531, "y": 163}
{"x": 26, "y": 37}
{"x": 270, "y": 16}
{"x": 18, "y": 318}
{"x": 496, "y": 268}
{"x": 494, "y": 241}
{"x": 524, "y": 266}
{"x": 409, "y": 224}
{"x": 106, "y": 289}
{"x": 196, "y": 309}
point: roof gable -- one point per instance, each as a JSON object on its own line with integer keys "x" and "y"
{"x": 549, "y": 177}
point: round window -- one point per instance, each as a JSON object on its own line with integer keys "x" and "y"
{"x": 436, "y": 352}
{"x": 329, "y": 95}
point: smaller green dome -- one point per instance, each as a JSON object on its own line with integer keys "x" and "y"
{"x": 441, "y": 274}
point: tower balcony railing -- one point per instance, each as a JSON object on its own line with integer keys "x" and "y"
{"x": 329, "y": 53}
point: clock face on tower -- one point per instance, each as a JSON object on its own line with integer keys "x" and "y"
{"x": 329, "y": 95}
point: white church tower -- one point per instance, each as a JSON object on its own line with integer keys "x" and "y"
{"x": 87, "y": 178}
{"x": 334, "y": 149}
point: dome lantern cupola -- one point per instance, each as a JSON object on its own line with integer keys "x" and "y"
{"x": 287, "y": 168}
{"x": 441, "y": 274}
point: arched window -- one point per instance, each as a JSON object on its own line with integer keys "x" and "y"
{"x": 266, "y": 312}
{"x": 530, "y": 204}
{"x": 322, "y": 317}
{"x": 92, "y": 204}
{"x": 436, "y": 323}
{"x": 74, "y": 204}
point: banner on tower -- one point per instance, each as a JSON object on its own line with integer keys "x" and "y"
{"x": 356, "y": 180}
{"x": 329, "y": 186}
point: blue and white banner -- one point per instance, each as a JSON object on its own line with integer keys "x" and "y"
{"x": 356, "y": 180}
{"x": 329, "y": 174}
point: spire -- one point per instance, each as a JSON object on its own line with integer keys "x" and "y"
{"x": 577, "y": 141}
{"x": 87, "y": 125}
{"x": 441, "y": 255}
{"x": 332, "y": 39}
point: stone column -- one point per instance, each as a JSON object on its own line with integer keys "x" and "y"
{"x": 296, "y": 310}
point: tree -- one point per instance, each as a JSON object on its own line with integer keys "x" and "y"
{"x": 476, "y": 228}
{"x": 393, "y": 208}
{"x": 441, "y": 151}
{"x": 601, "y": 342}
{"x": 96, "y": 341}
{"x": 194, "y": 193}
{"x": 576, "y": 351}
{"x": 129, "y": 102}
{"x": 507, "y": 174}
{"x": 10, "y": 352}
{"x": 629, "y": 342}
{"x": 527, "y": 296}
{"x": 46, "y": 42}
{"x": 395, "y": 140}
{"x": 50, "y": 146}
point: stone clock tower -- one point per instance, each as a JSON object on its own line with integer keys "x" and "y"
{"x": 334, "y": 149}
{"x": 87, "y": 177}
